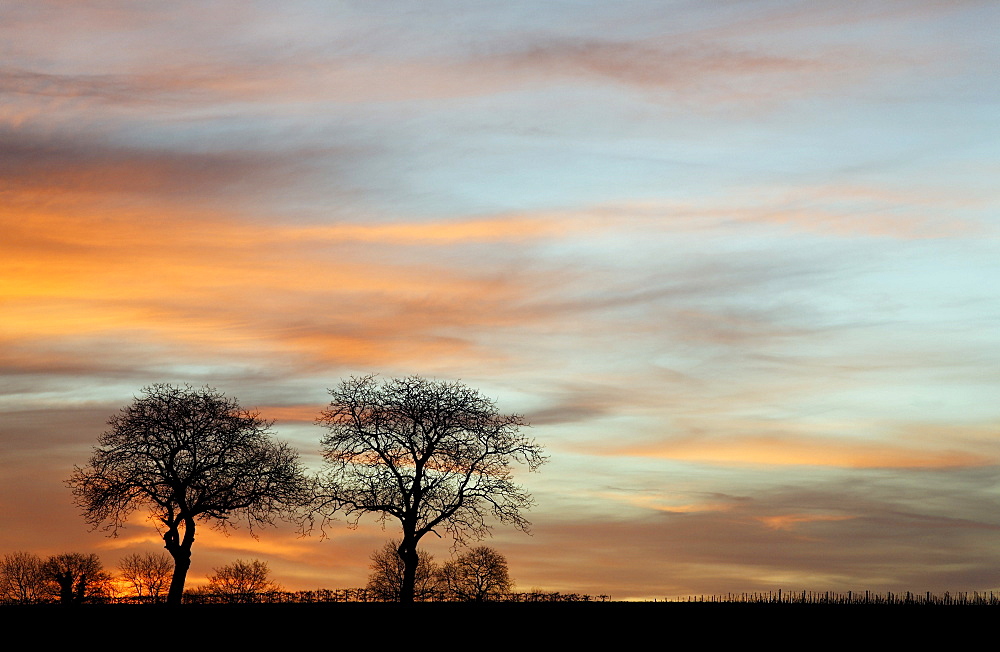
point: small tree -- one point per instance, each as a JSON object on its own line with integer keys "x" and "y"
{"x": 148, "y": 574}
{"x": 478, "y": 575}
{"x": 241, "y": 581}
{"x": 188, "y": 455}
{"x": 386, "y": 580}
{"x": 76, "y": 577}
{"x": 21, "y": 578}
{"x": 432, "y": 455}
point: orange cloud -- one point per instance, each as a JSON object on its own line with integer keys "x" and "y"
{"x": 230, "y": 288}
{"x": 290, "y": 413}
{"x": 806, "y": 451}
{"x": 716, "y": 69}
{"x": 660, "y": 504}
{"x": 789, "y": 521}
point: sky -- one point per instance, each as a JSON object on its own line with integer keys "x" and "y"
{"x": 735, "y": 261}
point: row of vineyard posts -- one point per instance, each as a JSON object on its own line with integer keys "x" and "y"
{"x": 948, "y": 598}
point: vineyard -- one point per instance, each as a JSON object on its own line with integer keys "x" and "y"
{"x": 849, "y": 598}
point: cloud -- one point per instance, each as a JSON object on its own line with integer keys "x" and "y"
{"x": 290, "y": 413}
{"x": 579, "y": 401}
{"x": 776, "y": 450}
{"x": 718, "y": 235}
{"x": 821, "y": 530}
{"x": 790, "y": 521}
{"x": 75, "y": 286}
{"x": 707, "y": 64}
{"x": 653, "y": 64}
{"x": 207, "y": 278}
{"x": 73, "y": 173}
{"x": 109, "y": 87}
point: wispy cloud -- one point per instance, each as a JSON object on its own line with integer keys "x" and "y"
{"x": 773, "y": 450}
{"x": 733, "y": 261}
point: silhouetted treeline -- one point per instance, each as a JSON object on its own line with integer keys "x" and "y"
{"x": 365, "y": 595}
{"x": 303, "y": 597}
{"x": 972, "y": 598}
{"x": 362, "y": 595}
{"x": 75, "y": 578}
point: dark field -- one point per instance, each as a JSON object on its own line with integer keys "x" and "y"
{"x": 488, "y": 626}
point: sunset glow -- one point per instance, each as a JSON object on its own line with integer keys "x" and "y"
{"x": 736, "y": 263}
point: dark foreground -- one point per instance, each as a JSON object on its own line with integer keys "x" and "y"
{"x": 487, "y": 626}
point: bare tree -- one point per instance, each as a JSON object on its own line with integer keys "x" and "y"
{"x": 432, "y": 455}
{"x": 478, "y": 575}
{"x": 188, "y": 455}
{"x": 241, "y": 581}
{"x": 21, "y": 578}
{"x": 76, "y": 577}
{"x": 148, "y": 574}
{"x": 386, "y": 580}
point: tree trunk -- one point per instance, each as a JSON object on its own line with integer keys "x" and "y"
{"x": 180, "y": 550}
{"x": 408, "y": 553}
{"x": 81, "y": 590}
{"x": 65, "y": 581}
{"x": 182, "y": 562}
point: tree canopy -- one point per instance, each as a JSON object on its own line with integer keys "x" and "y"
{"x": 436, "y": 456}
{"x": 241, "y": 581}
{"x": 148, "y": 575}
{"x": 188, "y": 455}
{"x": 21, "y": 578}
{"x": 386, "y": 580}
{"x": 478, "y": 575}
{"x": 76, "y": 577}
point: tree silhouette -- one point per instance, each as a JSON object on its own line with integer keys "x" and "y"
{"x": 147, "y": 574}
{"x": 477, "y": 575}
{"x": 76, "y": 577}
{"x": 386, "y": 580}
{"x": 21, "y": 578}
{"x": 432, "y": 455}
{"x": 241, "y": 581}
{"x": 188, "y": 455}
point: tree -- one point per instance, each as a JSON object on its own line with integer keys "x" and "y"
{"x": 241, "y": 581}
{"x": 21, "y": 578}
{"x": 386, "y": 580}
{"x": 148, "y": 574}
{"x": 188, "y": 455}
{"x": 478, "y": 575}
{"x": 432, "y": 455}
{"x": 76, "y": 577}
